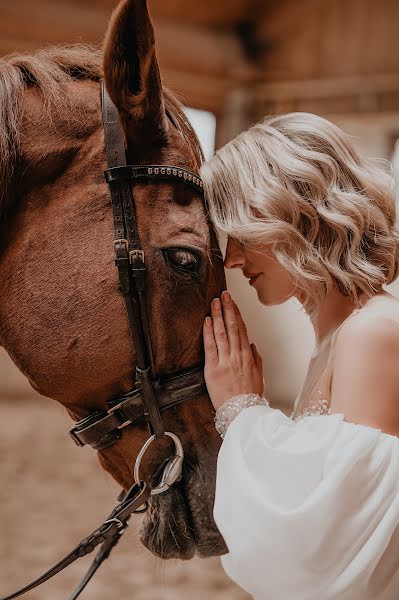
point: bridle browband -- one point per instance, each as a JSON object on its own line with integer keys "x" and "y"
{"x": 151, "y": 394}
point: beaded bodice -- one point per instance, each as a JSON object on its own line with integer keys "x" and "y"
{"x": 314, "y": 397}
{"x": 319, "y": 406}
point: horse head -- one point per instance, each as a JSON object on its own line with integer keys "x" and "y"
{"x": 63, "y": 319}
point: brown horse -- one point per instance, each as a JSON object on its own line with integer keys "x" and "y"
{"x": 62, "y": 318}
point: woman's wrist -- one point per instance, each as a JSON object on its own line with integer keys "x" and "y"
{"x": 228, "y": 411}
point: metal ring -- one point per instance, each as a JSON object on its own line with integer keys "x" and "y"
{"x": 179, "y": 455}
{"x": 118, "y": 522}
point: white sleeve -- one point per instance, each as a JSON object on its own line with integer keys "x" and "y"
{"x": 309, "y": 509}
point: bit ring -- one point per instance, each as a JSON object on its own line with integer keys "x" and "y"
{"x": 173, "y": 469}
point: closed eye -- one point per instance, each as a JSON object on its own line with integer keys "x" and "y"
{"x": 183, "y": 261}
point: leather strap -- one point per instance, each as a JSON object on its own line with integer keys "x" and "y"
{"x": 101, "y": 429}
{"x": 101, "y": 555}
{"x": 130, "y": 263}
{"x": 130, "y": 260}
{"x": 108, "y": 534}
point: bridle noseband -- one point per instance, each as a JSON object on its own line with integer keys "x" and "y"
{"x": 151, "y": 394}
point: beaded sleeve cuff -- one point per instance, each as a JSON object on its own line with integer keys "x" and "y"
{"x": 226, "y": 413}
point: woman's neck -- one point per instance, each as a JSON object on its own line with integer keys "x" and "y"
{"x": 333, "y": 311}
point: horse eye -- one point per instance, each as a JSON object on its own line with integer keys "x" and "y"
{"x": 183, "y": 260}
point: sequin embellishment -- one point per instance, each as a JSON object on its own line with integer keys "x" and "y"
{"x": 226, "y": 413}
{"x": 316, "y": 408}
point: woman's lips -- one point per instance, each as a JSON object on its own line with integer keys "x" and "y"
{"x": 252, "y": 277}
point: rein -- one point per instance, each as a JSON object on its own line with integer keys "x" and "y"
{"x": 151, "y": 394}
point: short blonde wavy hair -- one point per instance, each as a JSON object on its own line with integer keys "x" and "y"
{"x": 296, "y": 181}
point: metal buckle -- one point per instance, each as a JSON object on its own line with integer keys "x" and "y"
{"x": 136, "y": 254}
{"x": 120, "y": 242}
{"x": 118, "y": 523}
{"x": 117, "y": 407}
{"x": 72, "y": 433}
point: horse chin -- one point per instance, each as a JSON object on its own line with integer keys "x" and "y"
{"x": 179, "y": 523}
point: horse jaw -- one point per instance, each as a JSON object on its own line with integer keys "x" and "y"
{"x": 179, "y": 523}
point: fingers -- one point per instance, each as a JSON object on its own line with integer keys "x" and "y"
{"x": 257, "y": 357}
{"x": 219, "y": 330}
{"x": 229, "y": 333}
{"x": 211, "y": 352}
{"x": 241, "y": 327}
{"x": 230, "y": 320}
{"x": 259, "y": 368}
{"x": 243, "y": 334}
{"x": 228, "y": 373}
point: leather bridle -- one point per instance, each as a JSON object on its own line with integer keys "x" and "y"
{"x": 151, "y": 394}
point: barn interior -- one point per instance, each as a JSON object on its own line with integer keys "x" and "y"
{"x": 231, "y": 62}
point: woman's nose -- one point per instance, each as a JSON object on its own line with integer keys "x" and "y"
{"x": 234, "y": 258}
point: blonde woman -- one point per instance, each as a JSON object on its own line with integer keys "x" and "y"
{"x": 308, "y": 504}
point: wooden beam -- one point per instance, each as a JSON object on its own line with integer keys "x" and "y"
{"x": 205, "y": 12}
{"x": 46, "y": 22}
{"x": 199, "y": 12}
{"x": 196, "y": 49}
{"x": 197, "y": 61}
{"x": 202, "y": 91}
{"x": 320, "y": 39}
{"x": 343, "y": 95}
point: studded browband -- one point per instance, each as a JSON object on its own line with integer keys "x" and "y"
{"x": 154, "y": 172}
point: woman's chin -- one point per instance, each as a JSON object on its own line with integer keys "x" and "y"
{"x": 268, "y": 299}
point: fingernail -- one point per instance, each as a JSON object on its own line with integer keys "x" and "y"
{"x": 208, "y": 321}
{"x": 216, "y": 303}
{"x": 226, "y": 295}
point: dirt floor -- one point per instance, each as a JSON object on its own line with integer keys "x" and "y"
{"x": 52, "y": 494}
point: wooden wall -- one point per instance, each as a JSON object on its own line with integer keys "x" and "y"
{"x": 338, "y": 56}
{"x": 318, "y": 39}
{"x": 200, "y": 55}
{"x": 242, "y": 58}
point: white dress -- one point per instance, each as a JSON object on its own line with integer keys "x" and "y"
{"x": 309, "y": 508}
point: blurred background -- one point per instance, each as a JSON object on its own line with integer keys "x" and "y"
{"x": 232, "y": 62}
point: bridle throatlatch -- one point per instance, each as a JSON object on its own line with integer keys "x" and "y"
{"x": 151, "y": 394}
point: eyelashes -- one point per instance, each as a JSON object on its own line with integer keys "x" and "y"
{"x": 183, "y": 261}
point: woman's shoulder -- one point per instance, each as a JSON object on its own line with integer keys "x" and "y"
{"x": 365, "y": 385}
{"x": 376, "y": 321}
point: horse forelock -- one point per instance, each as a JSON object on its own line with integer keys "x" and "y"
{"x": 50, "y": 70}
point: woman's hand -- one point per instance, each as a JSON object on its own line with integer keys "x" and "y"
{"x": 232, "y": 365}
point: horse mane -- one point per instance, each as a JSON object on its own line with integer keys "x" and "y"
{"x": 50, "y": 70}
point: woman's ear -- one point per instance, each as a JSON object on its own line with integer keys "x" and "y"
{"x": 131, "y": 72}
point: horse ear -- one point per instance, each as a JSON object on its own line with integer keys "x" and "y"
{"x": 131, "y": 71}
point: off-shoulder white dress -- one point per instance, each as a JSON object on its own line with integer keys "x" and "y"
{"x": 309, "y": 504}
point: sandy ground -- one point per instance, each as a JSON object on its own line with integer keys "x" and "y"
{"x": 52, "y": 494}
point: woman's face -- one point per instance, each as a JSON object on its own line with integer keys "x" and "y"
{"x": 271, "y": 281}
